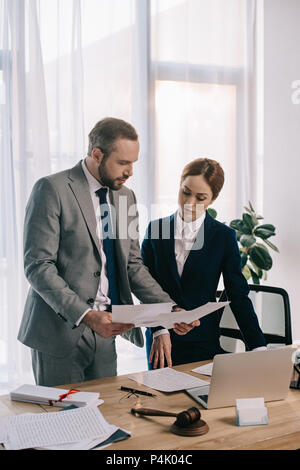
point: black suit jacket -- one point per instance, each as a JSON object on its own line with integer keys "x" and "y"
{"x": 217, "y": 253}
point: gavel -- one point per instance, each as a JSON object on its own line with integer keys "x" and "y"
{"x": 188, "y": 422}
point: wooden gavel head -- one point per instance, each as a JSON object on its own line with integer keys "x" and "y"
{"x": 185, "y": 418}
{"x": 188, "y": 423}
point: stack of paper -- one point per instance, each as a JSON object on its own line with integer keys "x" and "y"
{"x": 80, "y": 428}
{"x": 167, "y": 380}
{"x": 54, "y": 396}
{"x": 251, "y": 411}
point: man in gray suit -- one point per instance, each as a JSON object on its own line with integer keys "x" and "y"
{"x": 76, "y": 271}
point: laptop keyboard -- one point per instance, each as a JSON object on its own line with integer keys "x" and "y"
{"x": 203, "y": 398}
{"x": 200, "y": 394}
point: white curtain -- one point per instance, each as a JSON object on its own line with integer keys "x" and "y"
{"x": 203, "y": 74}
{"x": 179, "y": 70}
{"x": 64, "y": 65}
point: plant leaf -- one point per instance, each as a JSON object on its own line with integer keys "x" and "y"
{"x": 246, "y": 272}
{"x": 263, "y": 247}
{"x": 247, "y": 240}
{"x": 268, "y": 227}
{"x": 236, "y": 224}
{"x": 250, "y": 205}
{"x": 244, "y": 259}
{"x": 271, "y": 245}
{"x": 238, "y": 235}
{"x": 212, "y": 212}
{"x": 249, "y": 221}
{"x": 263, "y": 233}
{"x": 239, "y": 225}
{"x": 248, "y": 210}
{"x": 254, "y": 276}
{"x": 259, "y": 272}
{"x": 260, "y": 256}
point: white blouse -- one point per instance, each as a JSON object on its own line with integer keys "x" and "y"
{"x": 185, "y": 234}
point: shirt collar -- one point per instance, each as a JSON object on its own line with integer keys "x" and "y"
{"x": 190, "y": 228}
{"x": 93, "y": 183}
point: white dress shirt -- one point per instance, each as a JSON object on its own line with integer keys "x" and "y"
{"x": 185, "y": 234}
{"x": 102, "y": 299}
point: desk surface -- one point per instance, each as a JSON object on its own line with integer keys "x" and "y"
{"x": 152, "y": 433}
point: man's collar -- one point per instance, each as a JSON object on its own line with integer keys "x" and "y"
{"x": 93, "y": 183}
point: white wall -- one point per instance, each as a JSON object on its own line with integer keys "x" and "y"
{"x": 281, "y": 179}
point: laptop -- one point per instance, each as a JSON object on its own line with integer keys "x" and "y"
{"x": 249, "y": 374}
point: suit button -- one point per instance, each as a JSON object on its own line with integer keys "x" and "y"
{"x": 97, "y": 274}
{"x": 90, "y": 301}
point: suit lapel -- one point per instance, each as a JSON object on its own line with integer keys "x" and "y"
{"x": 79, "y": 186}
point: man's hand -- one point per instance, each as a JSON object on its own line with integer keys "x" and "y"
{"x": 101, "y": 323}
{"x": 161, "y": 348}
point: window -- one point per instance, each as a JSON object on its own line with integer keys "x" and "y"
{"x": 198, "y": 67}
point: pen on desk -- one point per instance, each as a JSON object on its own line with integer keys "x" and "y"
{"x": 139, "y": 392}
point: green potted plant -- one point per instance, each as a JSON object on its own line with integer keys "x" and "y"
{"x": 253, "y": 238}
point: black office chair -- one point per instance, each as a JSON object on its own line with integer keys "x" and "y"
{"x": 268, "y": 320}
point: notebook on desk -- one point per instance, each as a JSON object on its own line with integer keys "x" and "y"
{"x": 250, "y": 374}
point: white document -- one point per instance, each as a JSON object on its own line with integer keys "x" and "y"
{"x": 151, "y": 315}
{"x": 58, "y": 428}
{"x": 50, "y": 396}
{"x": 139, "y": 314}
{"x": 167, "y": 380}
{"x": 204, "y": 370}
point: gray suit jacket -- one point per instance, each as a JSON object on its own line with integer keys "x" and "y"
{"x": 62, "y": 262}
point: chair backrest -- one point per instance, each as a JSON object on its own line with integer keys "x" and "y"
{"x": 272, "y": 307}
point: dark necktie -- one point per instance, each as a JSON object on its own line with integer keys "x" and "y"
{"x": 109, "y": 247}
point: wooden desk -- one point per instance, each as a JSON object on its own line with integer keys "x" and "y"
{"x": 152, "y": 433}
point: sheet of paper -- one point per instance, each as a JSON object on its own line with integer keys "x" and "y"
{"x": 58, "y": 428}
{"x": 139, "y": 313}
{"x": 150, "y": 315}
{"x": 204, "y": 370}
{"x": 167, "y": 380}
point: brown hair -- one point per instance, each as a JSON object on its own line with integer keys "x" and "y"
{"x": 211, "y": 171}
{"x": 107, "y": 131}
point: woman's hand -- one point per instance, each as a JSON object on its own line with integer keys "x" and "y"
{"x": 161, "y": 349}
{"x": 184, "y": 328}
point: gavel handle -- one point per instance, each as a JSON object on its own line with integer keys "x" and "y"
{"x": 150, "y": 412}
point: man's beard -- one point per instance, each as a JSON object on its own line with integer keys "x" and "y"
{"x": 106, "y": 180}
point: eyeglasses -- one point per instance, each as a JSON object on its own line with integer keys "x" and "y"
{"x": 135, "y": 396}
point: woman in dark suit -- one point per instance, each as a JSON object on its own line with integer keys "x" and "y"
{"x": 187, "y": 253}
